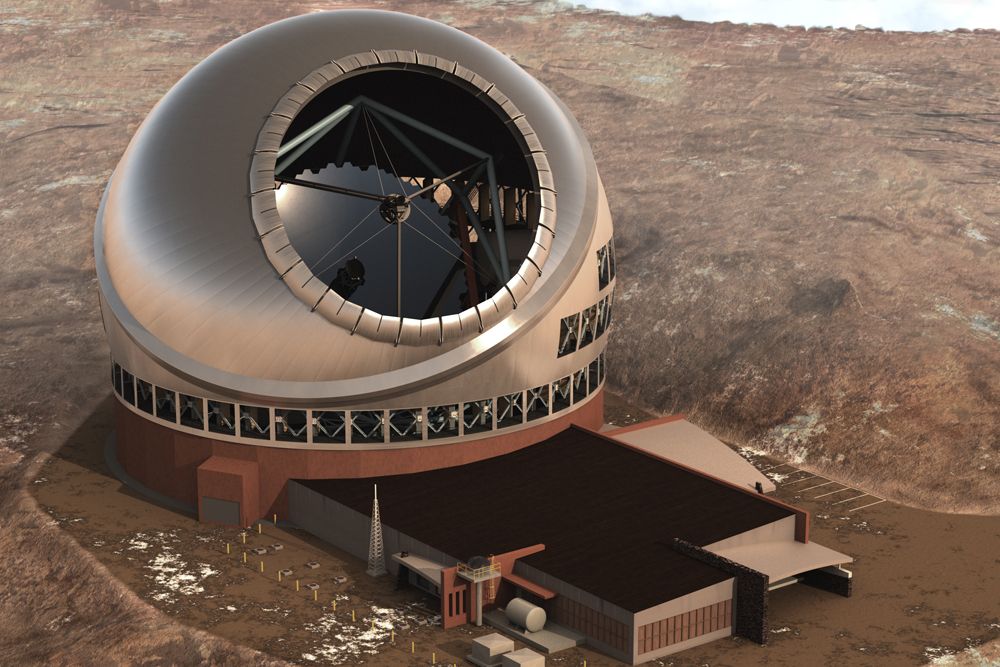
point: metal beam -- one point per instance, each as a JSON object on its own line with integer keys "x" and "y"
{"x": 309, "y": 138}
{"x": 497, "y": 222}
{"x": 472, "y": 150}
{"x": 473, "y": 218}
{"x": 348, "y": 133}
{"x": 423, "y": 127}
{"x": 473, "y": 178}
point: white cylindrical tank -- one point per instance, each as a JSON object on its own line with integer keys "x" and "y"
{"x": 523, "y": 613}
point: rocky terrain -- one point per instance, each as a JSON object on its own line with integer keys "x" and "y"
{"x": 807, "y": 224}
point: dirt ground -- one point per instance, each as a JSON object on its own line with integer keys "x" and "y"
{"x": 807, "y": 225}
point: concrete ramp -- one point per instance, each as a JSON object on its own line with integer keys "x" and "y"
{"x": 678, "y": 440}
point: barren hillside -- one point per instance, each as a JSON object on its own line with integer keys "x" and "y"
{"x": 807, "y": 225}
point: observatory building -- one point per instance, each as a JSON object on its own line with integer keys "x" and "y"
{"x": 361, "y": 246}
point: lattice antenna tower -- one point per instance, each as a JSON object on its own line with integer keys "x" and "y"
{"x": 376, "y": 551}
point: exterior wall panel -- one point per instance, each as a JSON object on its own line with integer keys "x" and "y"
{"x": 653, "y": 638}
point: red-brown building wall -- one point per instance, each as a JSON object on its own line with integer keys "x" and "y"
{"x": 166, "y": 460}
{"x": 230, "y": 479}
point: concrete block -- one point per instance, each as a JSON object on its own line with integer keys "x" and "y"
{"x": 491, "y": 646}
{"x": 286, "y": 572}
{"x": 312, "y": 565}
{"x": 524, "y": 657}
{"x": 275, "y": 547}
{"x": 312, "y": 586}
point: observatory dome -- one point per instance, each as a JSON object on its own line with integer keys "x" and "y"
{"x": 356, "y": 230}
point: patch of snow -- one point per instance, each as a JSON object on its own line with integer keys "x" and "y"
{"x": 175, "y": 576}
{"x": 878, "y": 409}
{"x": 939, "y": 655}
{"x": 345, "y": 642}
{"x": 976, "y": 235}
{"x": 70, "y": 181}
{"x": 11, "y": 124}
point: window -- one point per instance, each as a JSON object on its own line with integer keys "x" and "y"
{"x": 442, "y": 421}
{"x": 477, "y": 416}
{"x": 580, "y": 389}
{"x": 593, "y": 374}
{"x": 538, "y": 402}
{"x": 144, "y": 395}
{"x": 588, "y": 326}
{"x": 329, "y": 427}
{"x": 166, "y": 404}
{"x": 191, "y": 412}
{"x": 510, "y": 409}
{"x": 116, "y": 378}
{"x": 290, "y": 425}
{"x": 366, "y": 426}
{"x": 601, "y": 368}
{"x": 255, "y": 422}
{"x": 603, "y": 267}
{"x": 221, "y": 418}
{"x": 128, "y": 387}
{"x": 561, "y": 390}
{"x": 611, "y": 258}
{"x": 405, "y": 425}
{"x": 569, "y": 334}
{"x": 602, "y": 312}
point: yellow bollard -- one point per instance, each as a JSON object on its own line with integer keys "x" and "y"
{"x": 258, "y": 528}
{"x": 335, "y": 605}
{"x": 296, "y": 584}
{"x": 244, "y": 557}
{"x": 315, "y": 595}
{"x": 392, "y": 635}
{"x": 279, "y": 576}
{"x": 275, "y": 519}
{"x": 413, "y": 647}
{"x": 262, "y": 566}
{"x": 373, "y": 624}
{"x": 434, "y": 657}
{"x": 244, "y": 534}
{"x": 352, "y": 616}
{"x": 227, "y": 547}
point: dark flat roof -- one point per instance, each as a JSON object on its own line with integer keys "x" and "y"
{"x": 606, "y": 514}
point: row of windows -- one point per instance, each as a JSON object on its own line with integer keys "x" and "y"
{"x": 358, "y": 426}
{"x": 579, "y": 330}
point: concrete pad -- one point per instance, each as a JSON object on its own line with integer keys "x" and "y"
{"x": 524, "y": 657}
{"x": 491, "y": 646}
{"x": 552, "y": 639}
{"x": 486, "y": 651}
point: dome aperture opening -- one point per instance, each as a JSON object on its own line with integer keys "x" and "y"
{"x": 407, "y": 191}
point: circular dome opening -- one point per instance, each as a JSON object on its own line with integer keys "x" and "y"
{"x": 407, "y": 191}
